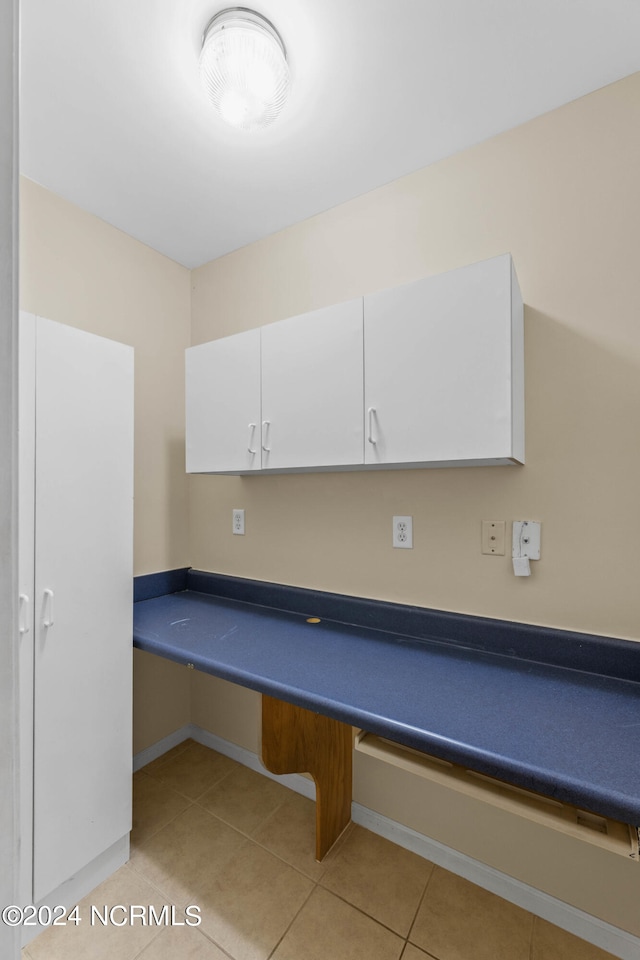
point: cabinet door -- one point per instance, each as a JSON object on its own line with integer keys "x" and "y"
{"x": 312, "y": 389}
{"x": 438, "y": 368}
{"x": 83, "y": 615}
{"x": 26, "y": 519}
{"x": 223, "y": 405}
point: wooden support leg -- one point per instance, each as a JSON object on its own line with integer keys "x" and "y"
{"x": 295, "y": 740}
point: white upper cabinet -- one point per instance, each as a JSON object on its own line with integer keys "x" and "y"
{"x": 427, "y": 374}
{"x": 444, "y": 377}
{"x": 312, "y": 385}
{"x": 223, "y": 405}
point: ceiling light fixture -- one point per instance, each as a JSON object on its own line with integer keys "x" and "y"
{"x": 243, "y": 66}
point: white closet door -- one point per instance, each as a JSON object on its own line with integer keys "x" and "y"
{"x": 438, "y": 367}
{"x": 312, "y": 384}
{"x": 223, "y": 404}
{"x": 84, "y": 511}
{"x": 26, "y": 468}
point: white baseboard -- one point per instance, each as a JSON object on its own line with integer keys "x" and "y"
{"x": 616, "y": 941}
{"x": 82, "y": 883}
{"x": 156, "y": 750}
{"x": 584, "y": 925}
{"x": 248, "y": 759}
{"x": 292, "y": 780}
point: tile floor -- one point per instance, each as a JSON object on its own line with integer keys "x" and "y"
{"x": 211, "y": 833}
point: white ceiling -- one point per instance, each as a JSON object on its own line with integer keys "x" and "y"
{"x": 113, "y": 117}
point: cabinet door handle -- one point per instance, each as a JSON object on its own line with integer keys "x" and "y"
{"x": 265, "y": 432}
{"x": 370, "y": 414}
{"x": 23, "y": 619}
{"x": 47, "y": 621}
{"x": 252, "y": 428}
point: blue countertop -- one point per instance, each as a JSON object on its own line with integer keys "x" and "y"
{"x": 571, "y": 734}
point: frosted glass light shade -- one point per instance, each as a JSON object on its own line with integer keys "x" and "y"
{"x": 243, "y": 67}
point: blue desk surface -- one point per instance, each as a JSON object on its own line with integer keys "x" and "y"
{"x": 570, "y": 734}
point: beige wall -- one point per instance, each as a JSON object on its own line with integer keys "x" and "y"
{"x": 560, "y": 193}
{"x": 79, "y": 270}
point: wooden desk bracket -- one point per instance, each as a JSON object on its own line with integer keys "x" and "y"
{"x": 295, "y": 740}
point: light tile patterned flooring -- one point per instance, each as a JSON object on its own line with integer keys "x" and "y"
{"x": 210, "y": 832}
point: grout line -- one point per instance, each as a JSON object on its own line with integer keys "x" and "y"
{"x": 533, "y": 934}
{"x": 215, "y": 943}
{"x": 262, "y": 846}
{"x": 215, "y": 816}
{"x": 311, "y": 892}
{"x": 420, "y": 903}
{"x": 153, "y": 940}
{"x": 364, "y": 913}
{"x": 139, "y": 844}
{"x": 151, "y": 883}
{"x": 180, "y": 793}
{"x": 233, "y": 826}
{"x": 430, "y": 956}
{"x": 174, "y": 751}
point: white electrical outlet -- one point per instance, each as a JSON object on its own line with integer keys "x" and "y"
{"x": 238, "y": 522}
{"x": 403, "y": 532}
